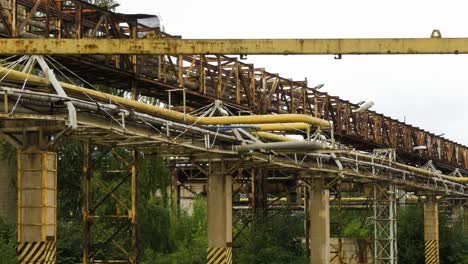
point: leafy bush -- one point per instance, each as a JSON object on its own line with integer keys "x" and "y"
{"x": 7, "y": 242}
{"x": 276, "y": 239}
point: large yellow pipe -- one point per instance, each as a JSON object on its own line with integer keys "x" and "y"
{"x": 411, "y": 198}
{"x": 300, "y": 127}
{"x": 273, "y": 137}
{"x": 259, "y": 119}
{"x": 171, "y": 114}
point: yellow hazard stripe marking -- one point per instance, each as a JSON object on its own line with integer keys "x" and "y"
{"x": 431, "y": 251}
{"x": 228, "y": 255}
{"x": 216, "y": 255}
{"x": 35, "y": 252}
{"x": 50, "y": 252}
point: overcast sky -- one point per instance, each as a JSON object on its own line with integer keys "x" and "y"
{"x": 431, "y": 91}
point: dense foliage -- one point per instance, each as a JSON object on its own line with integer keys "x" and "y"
{"x": 276, "y": 239}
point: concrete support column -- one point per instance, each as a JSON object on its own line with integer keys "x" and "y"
{"x": 431, "y": 230}
{"x": 228, "y": 195}
{"x": 219, "y": 203}
{"x": 319, "y": 215}
{"x": 37, "y": 206}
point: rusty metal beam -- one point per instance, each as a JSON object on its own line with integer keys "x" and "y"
{"x": 433, "y": 45}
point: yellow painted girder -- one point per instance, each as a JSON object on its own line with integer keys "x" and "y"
{"x": 235, "y": 46}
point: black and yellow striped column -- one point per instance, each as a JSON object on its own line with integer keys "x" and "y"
{"x": 219, "y": 202}
{"x": 228, "y": 255}
{"x": 37, "y": 200}
{"x": 431, "y": 230}
{"x": 219, "y": 255}
{"x": 36, "y": 252}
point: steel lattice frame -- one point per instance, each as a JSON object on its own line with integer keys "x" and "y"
{"x": 103, "y": 222}
{"x": 385, "y": 223}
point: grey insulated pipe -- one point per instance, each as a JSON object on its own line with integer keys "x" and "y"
{"x": 282, "y": 146}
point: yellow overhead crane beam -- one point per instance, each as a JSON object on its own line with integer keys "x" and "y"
{"x": 147, "y": 46}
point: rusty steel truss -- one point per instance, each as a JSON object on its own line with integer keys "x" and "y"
{"x": 208, "y": 77}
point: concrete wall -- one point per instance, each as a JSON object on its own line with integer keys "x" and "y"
{"x": 7, "y": 190}
{"x": 350, "y": 251}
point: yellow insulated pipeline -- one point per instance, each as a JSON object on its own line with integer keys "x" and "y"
{"x": 171, "y": 114}
{"x": 259, "y": 119}
{"x": 300, "y": 127}
{"x": 273, "y": 137}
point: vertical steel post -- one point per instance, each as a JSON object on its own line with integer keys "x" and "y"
{"x": 180, "y": 71}
{"x": 260, "y": 198}
{"x": 202, "y": 75}
{"x": 134, "y": 187}
{"x": 86, "y": 183}
{"x": 238, "y": 82}
{"x": 78, "y": 19}
{"x": 134, "y": 254}
{"x": 13, "y": 17}
{"x": 340, "y": 222}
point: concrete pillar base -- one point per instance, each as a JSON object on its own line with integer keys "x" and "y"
{"x": 219, "y": 203}
{"x": 37, "y": 206}
{"x": 431, "y": 230}
{"x": 319, "y": 215}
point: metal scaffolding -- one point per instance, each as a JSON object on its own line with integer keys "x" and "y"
{"x": 385, "y": 223}
{"x": 107, "y": 211}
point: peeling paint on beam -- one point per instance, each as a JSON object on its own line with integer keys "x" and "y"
{"x": 234, "y": 46}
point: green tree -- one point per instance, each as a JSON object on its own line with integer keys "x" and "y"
{"x": 276, "y": 239}
{"x": 453, "y": 241}
{"x": 188, "y": 236}
{"x": 69, "y": 180}
{"x": 69, "y": 241}
{"x": 7, "y": 242}
{"x": 410, "y": 228}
